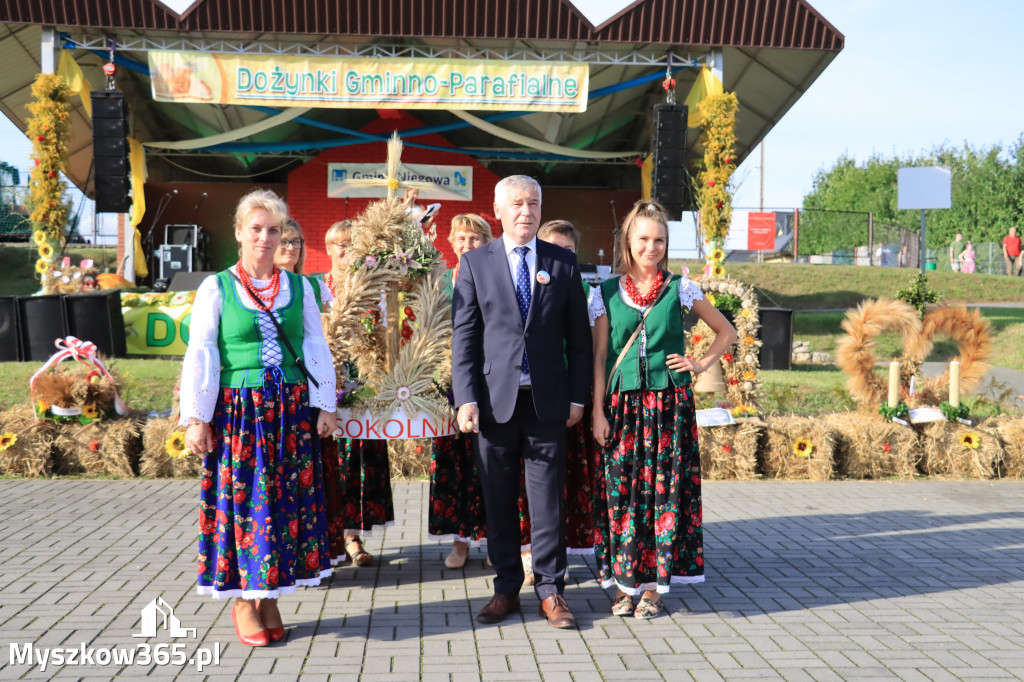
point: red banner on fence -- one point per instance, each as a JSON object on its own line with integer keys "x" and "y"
{"x": 761, "y": 232}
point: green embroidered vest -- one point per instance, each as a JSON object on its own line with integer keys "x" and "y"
{"x": 241, "y": 341}
{"x": 665, "y": 335}
{"x": 314, "y": 283}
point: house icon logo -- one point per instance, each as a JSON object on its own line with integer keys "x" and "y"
{"x": 159, "y": 614}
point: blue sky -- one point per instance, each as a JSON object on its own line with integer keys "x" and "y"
{"x": 914, "y": 74}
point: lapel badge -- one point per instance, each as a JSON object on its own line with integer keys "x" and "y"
{"x": 543, "y": 277}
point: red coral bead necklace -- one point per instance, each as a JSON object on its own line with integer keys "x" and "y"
{"x": 255, "y": 294}
{"x": 646, "y": 299}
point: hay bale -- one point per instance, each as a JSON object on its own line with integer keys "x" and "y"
{"x": 729, "y": 452}
{"x": 109, "y": 447}
{"x": 778, "y": 458}
{"x": 868, "y": 446}
{"x": 157, "y": 461}
{"x": 31, "y": 450}
{"x": 1011, "y": 433}
{"x": 946, "y": 454}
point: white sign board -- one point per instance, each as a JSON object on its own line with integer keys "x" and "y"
{"x": 454, "y": 183}
{"x": 682, "y": 237}
{"x": 736, "y": 239}
{"x": 923, "y": 187}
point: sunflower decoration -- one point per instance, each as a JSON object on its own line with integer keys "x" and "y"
{"x": 718, "y": 255}
{"x": 7, "y": 440}
{"x": 90, "y": 412}
{"x": 970, "y": 440}
{"x": 174, "y": 446}
{"x": 717, "y": 270}
{"x": 46, "y": 251}
{"x": 39, "y": 237}
{"x": 803, "y": 448}
{"x": 42, "y": 266}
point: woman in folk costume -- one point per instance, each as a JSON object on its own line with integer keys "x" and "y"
{"x": 456, "y": 502}
{"x": 291, "y": 256}
{"x": 364, "y": 468}
{"x": 647, "y": 511}
{"x": 256, "y": 366}
{"x": 581, "y": 451}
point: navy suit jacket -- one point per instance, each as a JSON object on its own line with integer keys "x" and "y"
{"x": 489, "y": 335}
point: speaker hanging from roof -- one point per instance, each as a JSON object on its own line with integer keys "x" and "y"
{"x": 110, "y": 151}
{"x": 669, "y": 183}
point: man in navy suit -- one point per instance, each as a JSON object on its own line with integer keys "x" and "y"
{"x": 522, "y": 365}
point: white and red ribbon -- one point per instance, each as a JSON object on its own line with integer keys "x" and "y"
{"x": 84, "y": 352}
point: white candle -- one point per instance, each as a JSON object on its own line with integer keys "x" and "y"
{"x": 954, "y": 382}
{"x": 894, "y": 382}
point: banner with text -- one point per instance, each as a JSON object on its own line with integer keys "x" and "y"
{"x": 157, "y": 324}
{"x": 366, "y": 83}
{"x": 454, "y": 183}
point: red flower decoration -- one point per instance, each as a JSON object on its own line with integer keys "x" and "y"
{"x": 733, "y": 381}
{"x": 94, "y": 445}
{"x": 306, "y": 477}
{"x": 240, "y": 496}
{"x": 272, "y": 576}
{"x": 728, "y": 357}
{"x": 293, "y": 528}
{"x": 886, "y": 447}
{"x": 711, "y": 183}
{"x": 726, "y": 448}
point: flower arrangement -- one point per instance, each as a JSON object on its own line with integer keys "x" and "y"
{"x": 7, "y": 440}
{"x": 49, "y": 129}
{"x": 970, "y": 440}
{"x": 713, "y": 194}
{"x": 740, "y": 364}
{"x": 803, "y": 448}
{"x": 174, "y": 446}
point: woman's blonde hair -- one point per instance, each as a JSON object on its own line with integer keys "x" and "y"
{"x": 472, "y": 223}
{"x": 641, "y": 209}
{"x": 339, "y": 231}
{"x": 256, "y": 200}
{"x": 291, "y": 226}
{"x": 562, "y": 227}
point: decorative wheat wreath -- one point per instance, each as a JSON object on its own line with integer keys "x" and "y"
{"x": 740, "y": 363}
{"x": 855, "y": 354}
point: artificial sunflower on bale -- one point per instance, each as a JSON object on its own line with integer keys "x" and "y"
{"x": 174, "y": 446}
{"x": 962, "y": 451}
{"x": 803, "y": 448}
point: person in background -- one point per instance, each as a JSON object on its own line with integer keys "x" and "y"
{"x": 1011, "y": 253}
{"x": 955, "y": 249}
{"x": 291, "y": 256}
{"x": 364, "y": 467}
{"x": 647, "y": 511}
{"x": 248, "y": 402}
{"x": 412, "y": 205}
{"x": 456, "y": 506}
{"x": 968, "y": 260}
{"x": 581, "y": 451}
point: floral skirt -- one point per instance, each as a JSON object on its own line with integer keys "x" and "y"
{"x": 368, "y": 501}
{"x": 456, "y": 508}
{"x": 647, "y": 514}
{"x": 580, "y": 473}
{"x": 335, "y": 476}
{"x": 262, "y": 530}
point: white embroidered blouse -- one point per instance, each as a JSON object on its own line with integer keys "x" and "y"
{"x": 200, "y": 374}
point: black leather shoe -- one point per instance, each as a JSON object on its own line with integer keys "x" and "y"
{"x": 496, "y": 609}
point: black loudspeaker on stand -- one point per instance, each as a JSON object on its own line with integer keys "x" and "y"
{"x": 188, "y": 281}
{"x": 10, "y": 336}
{"x": 110, "y": 151}
{"x": 670, "y": 182}
{"x": 42, "y": 322}
{"x": 97, "y": 318}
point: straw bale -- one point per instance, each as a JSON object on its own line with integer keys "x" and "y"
{"x": 944, "y": 453}
{"x": 156, "y": 462}
{"x": 777, "y": 458}
{"x": 109, "y": 447}
{"x": 31, "y": 454}
{"x": 868, "y": 446}
{"x": 1011, "y": 432}
{"x": 729, "y": 452}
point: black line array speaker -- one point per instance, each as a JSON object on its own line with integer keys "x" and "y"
{"x": 42, "y": 322}
{"x": 110, "y": 151}
{"x": 10, "y": 341}
{"x": 97, "y": 318}
{"x": 669, "y": 183}
{"x": 188, "y": 281}
{"x": 776, "y": 338}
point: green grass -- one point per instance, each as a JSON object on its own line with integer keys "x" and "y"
{"x": 823, "y": 331}
{"x": 803, "y": 287}
{"x": 148, "y": 384}
{"x": 17, "y": 265}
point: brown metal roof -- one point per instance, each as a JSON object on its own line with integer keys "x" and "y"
{"x": 792, "y": 24}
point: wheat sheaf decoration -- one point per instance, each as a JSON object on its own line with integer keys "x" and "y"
{"x": 855, "y": 354}
{"x": 412, "y": 383}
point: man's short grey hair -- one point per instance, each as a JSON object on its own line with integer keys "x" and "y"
{"x": 520, "y": 181}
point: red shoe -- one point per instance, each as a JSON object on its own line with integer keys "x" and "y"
{"x": 276, "y": 634}
{"x": 259, "y": 639}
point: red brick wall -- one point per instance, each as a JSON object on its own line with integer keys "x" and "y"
{"x": 316, "y": 212}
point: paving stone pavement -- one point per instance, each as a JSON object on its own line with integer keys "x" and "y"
{"x": 914, "y": 580}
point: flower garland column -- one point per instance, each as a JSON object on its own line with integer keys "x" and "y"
{"x": 718, "y": 112}
{"x": 49, "y": 129}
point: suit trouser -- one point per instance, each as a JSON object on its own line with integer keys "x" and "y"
{"x": 503, "y": 450}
